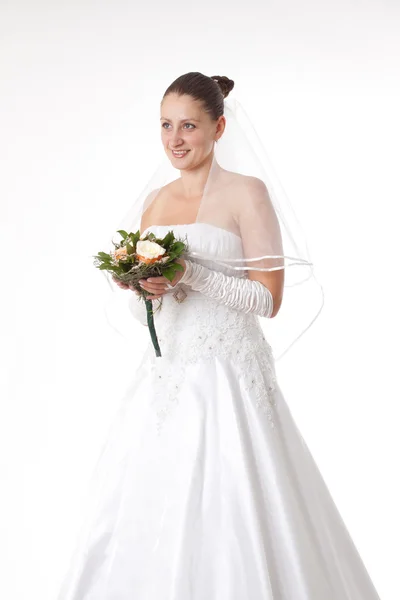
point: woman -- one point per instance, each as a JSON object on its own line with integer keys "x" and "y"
{"x": 206, "y": 488}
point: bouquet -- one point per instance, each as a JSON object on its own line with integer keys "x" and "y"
{"x": 137, "y": 257}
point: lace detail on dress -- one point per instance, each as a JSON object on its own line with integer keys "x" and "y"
{"x": 201, "y": 329}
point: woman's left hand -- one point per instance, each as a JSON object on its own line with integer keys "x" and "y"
{"x": 158, "y": 286}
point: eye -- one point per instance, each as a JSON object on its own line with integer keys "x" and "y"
{"x": 190, "y": 125}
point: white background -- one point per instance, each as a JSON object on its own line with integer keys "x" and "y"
{"x": 81, "y": 83}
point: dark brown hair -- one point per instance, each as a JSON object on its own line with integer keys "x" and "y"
{"x": 211, "y": 91}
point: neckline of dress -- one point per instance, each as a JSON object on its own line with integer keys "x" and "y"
{"x": 195, "y": 223}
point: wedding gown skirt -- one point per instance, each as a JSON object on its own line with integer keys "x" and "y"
{"x": 205, "y": 488}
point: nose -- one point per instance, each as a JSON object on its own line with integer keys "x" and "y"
{"x": 175, "y": 140}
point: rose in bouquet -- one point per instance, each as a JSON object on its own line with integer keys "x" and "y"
{"x": 137, "y": 257}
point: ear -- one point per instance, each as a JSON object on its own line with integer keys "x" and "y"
{"x": 220, "y": 126}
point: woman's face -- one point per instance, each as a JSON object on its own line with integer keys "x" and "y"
{"x": 188, "y": 129}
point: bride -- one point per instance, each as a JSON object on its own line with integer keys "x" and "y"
{"x": 205, "y": 488}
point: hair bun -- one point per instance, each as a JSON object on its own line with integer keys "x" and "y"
{"x": 224, "y": 83}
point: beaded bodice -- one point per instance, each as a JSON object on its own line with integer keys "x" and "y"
{"x": 201, "y": 328}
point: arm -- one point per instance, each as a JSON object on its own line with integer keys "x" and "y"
{"x": 262, "y": 292}
{"x": 247, "y": 295}
{"x": 261, "y": 235}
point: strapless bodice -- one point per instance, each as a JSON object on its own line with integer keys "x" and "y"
{"x": 202, "y": 329}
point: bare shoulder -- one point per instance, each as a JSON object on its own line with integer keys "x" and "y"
{"x": 244, "y": 182}
{"x": 243, "y": 192}
{"x": 252, "y": 183}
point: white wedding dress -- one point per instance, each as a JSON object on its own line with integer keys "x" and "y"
{"x": 205, "y": 488}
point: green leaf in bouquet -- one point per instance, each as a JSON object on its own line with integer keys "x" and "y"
{"x": 171, "y": 270}
{"x": 177, "y": 247}
{"x": 169, "y": 273}
{"x": 129, "y": 249}
{"x": 167, "y": 240}
{"x": 104, "y": 267}
{"x": 123, "y": 233}
{"x": 176, "y": 267}
{"x": 134, "y": 238}
{"x": 104, "y": 256}
{"x": 125, "y": 267}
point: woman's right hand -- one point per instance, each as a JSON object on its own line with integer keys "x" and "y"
{"x": 120, "y": 283}
{"x": 124, "y": 286}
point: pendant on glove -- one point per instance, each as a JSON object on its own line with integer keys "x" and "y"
{"x": 179, "y": 295}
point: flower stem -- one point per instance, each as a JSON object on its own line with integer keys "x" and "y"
{"x": 150, "y": 323}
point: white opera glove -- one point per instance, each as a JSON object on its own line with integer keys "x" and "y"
{"x": 242, "y": 294}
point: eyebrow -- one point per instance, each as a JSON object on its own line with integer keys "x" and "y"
{"x": 183, "y": 120}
